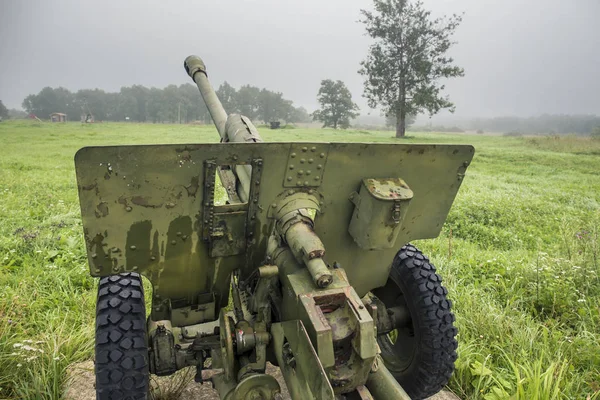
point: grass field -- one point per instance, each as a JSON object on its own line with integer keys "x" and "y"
{"x": 519, "y": 254}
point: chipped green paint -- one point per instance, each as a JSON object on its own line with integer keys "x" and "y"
{"x": 329, "y": 217}
{"x": 154, "y": 173}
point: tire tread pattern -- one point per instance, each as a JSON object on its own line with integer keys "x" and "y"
{"x": 121, "y": 347}
{"x": 437, "y": 346}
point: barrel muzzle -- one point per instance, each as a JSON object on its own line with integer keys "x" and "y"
{"x": 194, "y": 64}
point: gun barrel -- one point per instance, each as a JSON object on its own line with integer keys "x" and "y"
{"x": 305, "y": 244}
{"x": 232, "y": 128}
{"x": 196, "y": 69}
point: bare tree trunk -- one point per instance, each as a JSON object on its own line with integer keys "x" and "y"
{"x": 401, "y": 106}
{"x": 400, "y": 123}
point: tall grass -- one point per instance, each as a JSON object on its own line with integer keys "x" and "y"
{"x": 566, "y": 143}
{"x": 522, "y": 271}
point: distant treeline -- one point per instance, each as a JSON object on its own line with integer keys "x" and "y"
{"x": 543, "y": 124}
{"x": 171, "y": 104}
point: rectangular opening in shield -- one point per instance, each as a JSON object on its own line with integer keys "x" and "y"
{"x": 231, "y": 181}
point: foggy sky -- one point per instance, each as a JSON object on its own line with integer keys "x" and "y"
{"x": 521, "y": 57}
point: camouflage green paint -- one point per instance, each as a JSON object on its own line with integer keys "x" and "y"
{"x": 304, "y": 375}
{"x": 379, "y": 209}
{"x": 383, "y": 385}
{"x": 338, "y": 325}
{"x": 152, "y": 188}
{"x": 304, "y": 207}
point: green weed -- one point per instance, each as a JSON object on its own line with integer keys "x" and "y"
{"x": 523, "y": 268}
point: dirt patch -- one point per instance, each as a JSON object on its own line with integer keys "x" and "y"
{"x": 180, "y": 386}
{"x": 80, "y": 385}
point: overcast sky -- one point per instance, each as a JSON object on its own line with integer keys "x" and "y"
{"x": 521, "y": 57}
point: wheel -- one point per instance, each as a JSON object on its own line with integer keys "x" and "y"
{"x": 121, "y": 345}
{"x": 421, "y": 352}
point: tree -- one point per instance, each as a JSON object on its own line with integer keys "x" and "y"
{"x": 13, "y": 113}
{"x": 192, "y": 108}
{"x": 3, "y": 111}
{"x": 299, "y": 114}
{"x": 155, "y": 104}
{"x": 127, "y": 106}
{"x": 268, "y": 105}
{"x": 93, "y": 102}
{"x": 337, "y": 107}
{"x": 273, "y": 107}
{"x": 170, "y": 108}
{"x": 247, "y": 101}
{"x": 287, "y": 112}
{"x": 228, "y": 95}
{"x": 140, "y": 94}
{"x": 391, "y": 121}
{"x": 171, "y": 104}
{"x": 51, "y": 100}
{"x": 409, "y": 57}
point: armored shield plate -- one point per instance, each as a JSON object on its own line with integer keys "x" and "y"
{"x": 150, "y": 208}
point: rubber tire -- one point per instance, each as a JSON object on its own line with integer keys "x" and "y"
{"x": 121, "y": 343}
{"x": 432, "y": 362}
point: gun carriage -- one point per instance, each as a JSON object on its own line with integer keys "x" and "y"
{"x": 309, "y": 252}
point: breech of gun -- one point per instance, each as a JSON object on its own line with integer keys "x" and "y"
{"x": 306, "y": 246}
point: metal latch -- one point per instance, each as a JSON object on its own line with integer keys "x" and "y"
{"x": 396, "y": 214}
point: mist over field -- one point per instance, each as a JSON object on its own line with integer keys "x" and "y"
{"x": 488, "y": 286}
{"x": 520, "y": 58}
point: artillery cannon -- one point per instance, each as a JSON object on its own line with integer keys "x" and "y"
{"x": 304, "y": 252}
